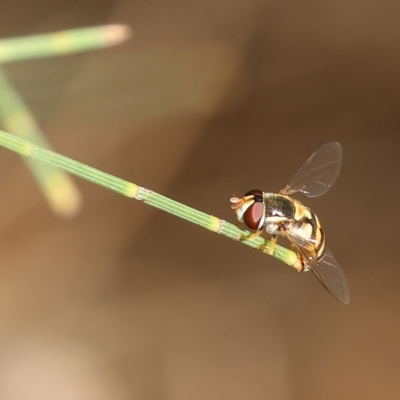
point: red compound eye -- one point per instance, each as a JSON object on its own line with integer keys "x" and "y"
{"x": 253, "y": 215}
{"x": 256, "y": 193}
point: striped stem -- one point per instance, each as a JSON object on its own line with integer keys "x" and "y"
{"x": 129, "y": 189}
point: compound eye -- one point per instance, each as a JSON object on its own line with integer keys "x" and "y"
{"x": 257, "y": 195}
{"x": 254, "y": 214}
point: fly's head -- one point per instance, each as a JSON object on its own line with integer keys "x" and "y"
{"x": 250, "y": 209}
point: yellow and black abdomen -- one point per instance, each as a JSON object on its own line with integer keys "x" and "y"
{"x": 306, "y": 228}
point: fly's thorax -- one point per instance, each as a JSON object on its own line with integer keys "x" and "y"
{"x": 279, "y": 207}
{"x": 279, "y": 211}
{"x": 288, "y": 216}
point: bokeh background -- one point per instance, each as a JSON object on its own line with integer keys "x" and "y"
{"x": 208, "y": 99}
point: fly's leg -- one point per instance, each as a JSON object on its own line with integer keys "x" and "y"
{"x": 272, "y": 245}
{"x": 238, "y": 237}
{"x": 274, "y": 239}
{"x": 251, "y": 237}
{"x": 301, "y": 264}
{"x": 257, "y": 233}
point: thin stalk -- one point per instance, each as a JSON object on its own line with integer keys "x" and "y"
{"x": 131, "y": 190}
{"x": 63, "y": 42}
{"x": 57, "y": 187}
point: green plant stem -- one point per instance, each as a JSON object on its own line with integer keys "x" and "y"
{"x": 57, "y": 186}
{"x": 129, "y": 189}
{"x": 63, "y": 42}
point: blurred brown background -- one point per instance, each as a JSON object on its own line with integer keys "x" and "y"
{"x": 208, "y": 99}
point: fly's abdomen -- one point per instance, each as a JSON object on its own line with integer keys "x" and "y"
{"x": 319, "y": 240}
{"x": 307, "y": 229}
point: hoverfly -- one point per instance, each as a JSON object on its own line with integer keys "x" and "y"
{"x": 280, "y": 214}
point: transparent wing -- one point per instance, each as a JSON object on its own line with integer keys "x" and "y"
{"x": 318, "y": 173}
{"x": 331, "y": 276}
{"x": 327, "y": 270}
